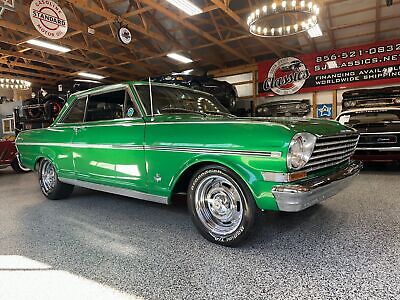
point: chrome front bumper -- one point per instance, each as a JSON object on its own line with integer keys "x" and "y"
{"x": 297, "y": 197}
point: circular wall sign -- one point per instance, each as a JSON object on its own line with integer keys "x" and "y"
{"x": 124, "y": 35}
{"x": 48, "y": 18}
{"x": 286, "y": 76}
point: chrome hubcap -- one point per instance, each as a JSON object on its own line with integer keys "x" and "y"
{"x": 48, "y": 176}
{"x": 219, "y": 205}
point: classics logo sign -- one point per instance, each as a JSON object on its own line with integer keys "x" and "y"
{"x": 48, "y": 18}
{"x": 286, "y": 76}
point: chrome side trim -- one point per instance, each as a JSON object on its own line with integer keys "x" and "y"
{"x": 116, "y": 190}
{"x": 90, "y": 146}
{"x": 380, "y": 133}
{"x": 380, "y": 149}
{"x": 274, "y": 154}
{"x": 214, "y": 151}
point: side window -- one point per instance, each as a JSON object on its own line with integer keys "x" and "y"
{"x": 109, "y": 106}
{"x": 77, "y": 111}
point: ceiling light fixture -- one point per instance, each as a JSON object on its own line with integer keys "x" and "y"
{"x": 284, "y": 18}
{"x": 87, "y": 80}
{"x": 186, "y": 72}
{"x": 186, "y": 6}
{"x": 180, "y": 58}
{"x": 314, "y": 31}
{"x": 47, "y": 45}
{"x": 15, "y": 84}
{"x": 91, "y": 75}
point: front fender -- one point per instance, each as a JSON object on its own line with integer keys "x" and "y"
{"x": 247, "y": 168}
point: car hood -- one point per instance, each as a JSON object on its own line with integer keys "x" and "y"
{"x": 318, "y": 127}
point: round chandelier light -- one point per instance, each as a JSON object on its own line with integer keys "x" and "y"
{"x": 14, "y": 84}
{"x": 283, "y": 18}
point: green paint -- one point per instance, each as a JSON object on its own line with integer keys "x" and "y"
{"x": 133, "y": 152}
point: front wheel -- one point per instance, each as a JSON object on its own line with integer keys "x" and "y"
{"x": 221, "y": 205}
{"x": 51, "y": 187}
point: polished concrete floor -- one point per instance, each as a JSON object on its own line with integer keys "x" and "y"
{"x": 96, "y": 245}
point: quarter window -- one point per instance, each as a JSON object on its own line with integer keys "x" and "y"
{"x": 77, "y": 111}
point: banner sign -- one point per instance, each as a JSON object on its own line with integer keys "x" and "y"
{"x": 360, "y": 66}
{"x": 48, "y": 18}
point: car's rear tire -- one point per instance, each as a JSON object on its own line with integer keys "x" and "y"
{"x": 51, "y": 187}
{"x": 18, "y": 167}
{"x": 221, "y": 205}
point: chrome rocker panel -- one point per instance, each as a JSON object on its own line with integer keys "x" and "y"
{"x": 116, "y": 190}
{"x": 293, "y": 198}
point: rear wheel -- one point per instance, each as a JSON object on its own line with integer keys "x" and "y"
{"x": 51, "y": 187}
{"x": 18, "y": 167}
{"x": 221, "y": 205}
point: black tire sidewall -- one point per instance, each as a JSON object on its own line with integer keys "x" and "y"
{"x": 60, "y": 191}
{"x": 249, "y": 208}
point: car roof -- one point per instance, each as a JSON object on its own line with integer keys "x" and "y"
{"x": 123, "y": 84}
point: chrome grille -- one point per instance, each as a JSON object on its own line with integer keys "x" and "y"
{"x": 332, "y": 150}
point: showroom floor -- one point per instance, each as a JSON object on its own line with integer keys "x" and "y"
{"x": 348, "y": 247}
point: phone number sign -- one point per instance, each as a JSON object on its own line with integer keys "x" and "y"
{"x": 377, "y": 64}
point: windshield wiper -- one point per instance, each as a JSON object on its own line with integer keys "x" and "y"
{"x": 180, "y": 109}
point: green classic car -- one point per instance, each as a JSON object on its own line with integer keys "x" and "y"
{"x": 154, "y": 141}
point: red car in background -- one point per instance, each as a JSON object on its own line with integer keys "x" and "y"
{"x": 9, "y": 156}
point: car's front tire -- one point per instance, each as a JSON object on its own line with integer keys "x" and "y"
{"x": 51, "y": 187}
{"x": 221, "y": 205}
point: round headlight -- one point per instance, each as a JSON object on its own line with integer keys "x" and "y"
{"x": 353, "y": 103}
{"x": 346, "y": 104}
{"x": 300, "y": 150}
{"x": 397, "y": 101}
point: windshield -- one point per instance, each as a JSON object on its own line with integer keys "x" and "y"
{"x": 173, "y": 100}
{"x": 367, "y": 117}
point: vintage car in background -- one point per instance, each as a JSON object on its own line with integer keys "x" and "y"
{"x": 375, "y": 114}
{"x": 284, "y": 108}
{"x": 379, "y": 130}
{"x": 224, "y": 91}
{"x": 126, "y": 140}
{"x": 365, "y": 98}
{"x": 9, "y": 156}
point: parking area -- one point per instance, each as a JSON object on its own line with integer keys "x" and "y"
{"x": 347, "y": 247}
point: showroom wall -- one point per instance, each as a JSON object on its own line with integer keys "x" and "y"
{"x": 7, "y": 108}
{"x": 244, "y": 85}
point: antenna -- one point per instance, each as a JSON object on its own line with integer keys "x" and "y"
{"x": 151, "y": 99}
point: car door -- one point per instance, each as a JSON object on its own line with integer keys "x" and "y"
{"x": 109, "y": 144}
{"x": 62, "y": 134}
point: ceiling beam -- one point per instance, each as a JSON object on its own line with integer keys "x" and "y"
{"x": 195, "y": 29}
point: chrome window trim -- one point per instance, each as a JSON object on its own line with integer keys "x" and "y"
{"x": 99, "y": 92}
{"x": 116, "y": 190}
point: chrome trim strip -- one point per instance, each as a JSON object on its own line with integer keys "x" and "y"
{"x": 380, "y": 149}
{"x": 274, "y": 154}
{"x": 89, "y": 146}
{"x": 116, "y": 190}
{"x": 380, "y": 133}
{"x": 214, "y": 151}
